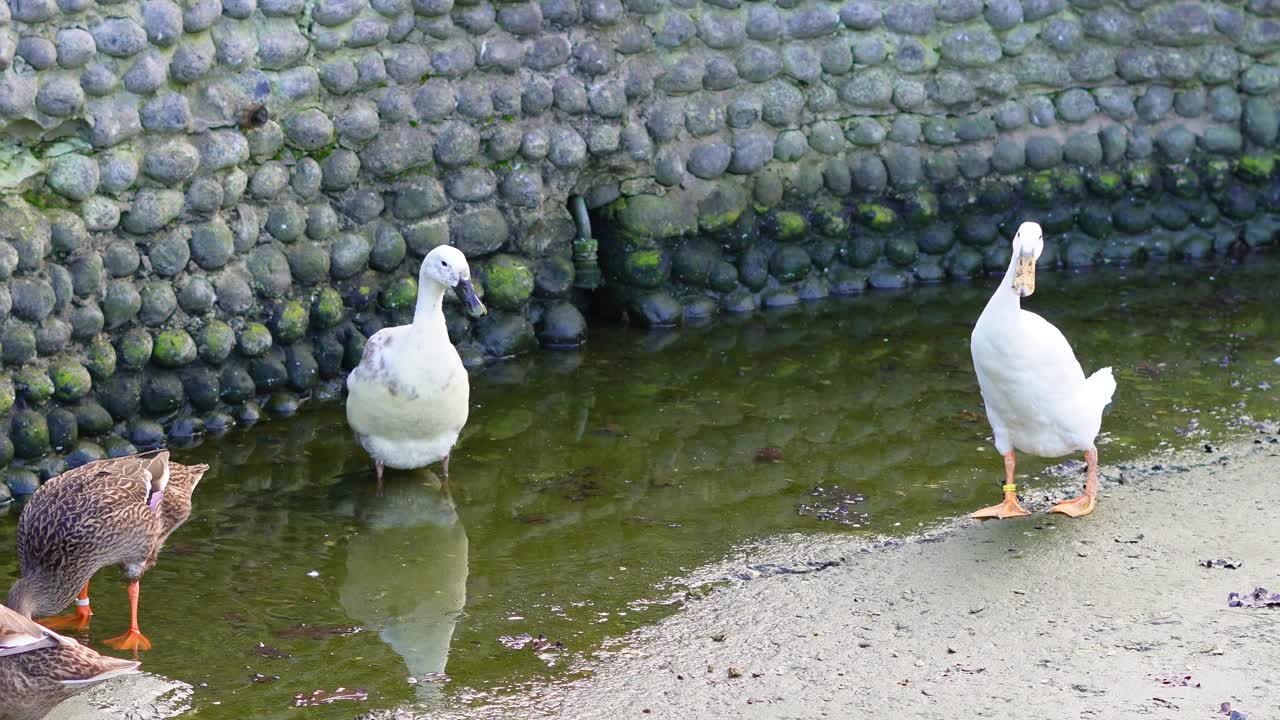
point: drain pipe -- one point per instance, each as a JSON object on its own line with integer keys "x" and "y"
{"x": 586, "y": 269}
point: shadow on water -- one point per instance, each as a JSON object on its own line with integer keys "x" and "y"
{"x": 587, "y": 479}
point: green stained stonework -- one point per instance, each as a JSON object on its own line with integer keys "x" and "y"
{"x": 646, "y": 267}
{"x": 215, "y": 342}
{"x": 401, "y": 294}
{"x": 71, "y": 381}
{"x": 791, "y": 226}
{"x": 1256, "y": 168}
{"x": 29, "y": 432}
{"x": 135, "y": 348}
{"x": 901, "y": 251}
{"x": 1107, "y": 184}
{"x": 174, "y": 349}
{"x": 254, "y": 340}
{"x": 326, "y": 308}
{"x": 920, "y": 209}
{"x": 34, "y": 386}
{"x": 291, "y": 323}
{"x": 7, "y": 394}
{"x": 100, "y": 358}
{"x": 508, "y": 282}
{"x": 1040, "y": 189}
{"x": 878, "y": 218}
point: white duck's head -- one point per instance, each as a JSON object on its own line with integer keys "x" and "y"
{"x": 1028, "y": 243}
{"x": 447, "y": 266}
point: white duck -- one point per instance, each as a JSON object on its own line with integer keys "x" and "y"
{"x": 1037, "y": 397}
{"x": 408, "y": 398}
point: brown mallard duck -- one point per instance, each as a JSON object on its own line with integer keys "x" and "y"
{"x": 40, "y": 668}
{"x": 110, "y": 512}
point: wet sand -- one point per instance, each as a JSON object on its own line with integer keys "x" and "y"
{"x": 1042, "y": 617}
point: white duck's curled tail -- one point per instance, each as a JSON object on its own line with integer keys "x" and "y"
{"x": 1101, "y": 386}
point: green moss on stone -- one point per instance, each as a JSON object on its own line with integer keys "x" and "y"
{"x": 291, "y": 323}
{"x": 790, "y": 263}
{"x": 1069, "y": 182}
{"x": 1040, "y": 190}
{"x": 71, "y": 381}
{"x": 508, "y": 282}
{"x": 1107, "y": 184}
{"x": 135, "y": 349}
{"x": 1182, "y": 181}
{"x": 6, "y": 394}
{"x": 100, "y": 358}
{"x": 877, "y": 217}
{"x": 1256, "y": 168}
{"x": 174, "y": 348}
{"x": 829, "y": 220}
{"x": 30, "y": 434}
{"x": 651, "y": 216}
{"x": 326, "y": 309}
{"x": 791, "y": 226}
{"x": 255, "y": 340}
{"x": 1216, "y": 174}
{"x": 901, "y": 251}
{"x": 920, "y": 208}
{"x": 216, "y": 342}
{"x": 400, "y": 294}
{"x": 645, "y": 267}
{"x": 863, "y": 251}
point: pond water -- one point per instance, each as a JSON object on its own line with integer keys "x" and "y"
{"x": 585, "y": 480}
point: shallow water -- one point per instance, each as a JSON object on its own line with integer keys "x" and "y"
{"x": 586, "y": 479}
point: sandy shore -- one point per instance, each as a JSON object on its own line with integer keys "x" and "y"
{"x": 1040, "y": 617}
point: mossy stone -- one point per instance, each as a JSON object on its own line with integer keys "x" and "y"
{"x": 862, "y": 252}
{"x": 879, "y": 218}
{"x": 302, "y": 367}
{"x": 212, "y": 245}
{"x": 174, "y": 348}
{"x": 33, "y": 384}
{"x": 901, "y": 251}
{"x": 309, "y": 262}
{"x": 286, "y": 222}
{"x": 71, "y": 381}
{"x": 920, "y": 209}
{"x": 329, "y": 353}
{"x": 508, "y": 282}
{"x": 269, "y": 268}
{"x": 1059, "y": 219}
{"x": 723, "y": 277}
{"x": 169, "y": 255}
{"x": 646, "y": 267}
{"x": 1095, "y": 219}
{"x": 965, "y": 262}
{"x": 121, "y": 303}
{"x": 1216, "y": 173}
{"x": 255, "y": 340}
{"x": 353, "y": 349}
{"x": 162, "y": 393}
{"x": 388, "y": 248}
{"x": 1144, "y": 180}
{"x": 402, "y": 294}
{"x": 1133, "y": 218}
{"x": 64, "y": 433}
{"x": 291, "y": 322}
{"x": 753, "y": 268}
{"x": 135, "y": 348}
{"x": 19, "y": 343}
{"x": 158, "y": 302}
{"x": 830, "y": 220}
{"x": 100, "y": 358}
{"x": 121, "y": 259}
{"x": 327, "y": 309}
{"x": 19, "y": 481}
{"x": 29, "y": 432}
{"x": 1182, "y": 182}
{"x": 1255, "y": 168}
{"x": 283, "y": 404}
{"x": 1171, "y": 216}
{"x": 979, "y": 230}
{"x": 202, "y": 388}
{"x": 1196, "y": 246}
{"x": 92, "y": 418}
{"x": 937, "y": 240}
{"x": 268, "y": 374}
{"x": 237, "y": 385}
{"x": 1239, "y": 201}
{"x": 1082, "y": 253}
{"x": 657, "y": 308}
{"x": 553, "y": 276}
{"x": 692, "y": 263}
{"x": 121, "y": 395}
{"x": 7, "y": 394}
{"x": 86, "y": 321}
{"x": 146, "y": 434}
{"x": 215, "y": 342}
{"x": 790, "y": 263}
{"x": 1106, "y": 184}
{"x": 996, "y": 258}
{"x": 1040, "y": 190}
{"x": 790, "y": 226}
{"x": 822, "y": 253}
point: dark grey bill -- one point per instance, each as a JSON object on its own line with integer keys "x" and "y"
{"x": 467, "y": 294}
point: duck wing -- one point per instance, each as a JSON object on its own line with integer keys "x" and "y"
{"x": 19, "y": 634}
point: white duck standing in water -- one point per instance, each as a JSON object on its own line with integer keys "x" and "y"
{"x": 1036, "y": 395}
{"x": 408, "y": 398}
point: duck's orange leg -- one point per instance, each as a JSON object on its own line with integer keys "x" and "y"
{"x": 1010, "y": 507}
{"x": 1084, "y": 504}
{"x": 78, "y": 620}
{"x": 134, "y": 639}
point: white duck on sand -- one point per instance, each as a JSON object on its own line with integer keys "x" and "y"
{"x": 408, "y": 398}
{"x": 1037, "y": 397}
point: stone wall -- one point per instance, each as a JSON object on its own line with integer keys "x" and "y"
{"x": 207, "y": 205}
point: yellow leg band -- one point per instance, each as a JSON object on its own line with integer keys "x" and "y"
{"x": 1010, "y": 488}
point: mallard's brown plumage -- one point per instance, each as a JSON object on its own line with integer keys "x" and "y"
{"x": 40, "y": 668}
{"x": 111, "y": 512}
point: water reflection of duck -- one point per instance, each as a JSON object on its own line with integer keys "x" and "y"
{"x": 407, "y": 571}
{"x": 1037, "y": 397}
{"x": 40, "y": 668}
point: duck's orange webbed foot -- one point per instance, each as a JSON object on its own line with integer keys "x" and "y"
{"x": 132, "y": 640}
{"x": 1078, "y": 507}
{"x": 78, "y": 620}
{"x": 1007, "y": 509}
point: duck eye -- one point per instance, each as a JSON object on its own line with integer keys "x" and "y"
{"x": 444, "y": 264}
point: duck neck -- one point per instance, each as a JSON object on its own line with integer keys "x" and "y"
{"x": 1004, "y": 300}
{"x": 428, "y": 316}
{"x": 26, "y": 597}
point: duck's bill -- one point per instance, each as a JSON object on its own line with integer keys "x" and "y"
{"x": 1024, "y": 274}
{"x": 467, "y": 294}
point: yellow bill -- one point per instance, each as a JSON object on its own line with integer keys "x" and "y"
{"x": 1024, "y": 274}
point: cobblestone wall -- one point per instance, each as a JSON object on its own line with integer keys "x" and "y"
{"x": 207, "y": 205}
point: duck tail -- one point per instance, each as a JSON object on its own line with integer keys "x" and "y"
{"x": 100, "y": 669}
{"x": 1102, "y": 385}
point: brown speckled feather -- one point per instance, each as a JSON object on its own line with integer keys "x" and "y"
{"x": 97, "y": 515}
{"x": 40, "y": 668}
